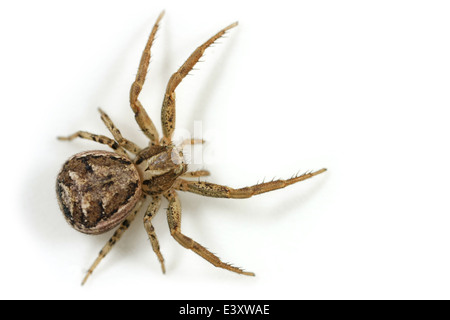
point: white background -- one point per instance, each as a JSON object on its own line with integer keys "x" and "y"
{"x": 358, "y": 87}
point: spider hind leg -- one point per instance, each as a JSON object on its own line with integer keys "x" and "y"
{"x": 97, "y": 138}
{"x": 113, "y": 240}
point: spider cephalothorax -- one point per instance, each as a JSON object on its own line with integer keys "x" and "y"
{"x": 160, "y": 166}
{"x": 99, "y": 190}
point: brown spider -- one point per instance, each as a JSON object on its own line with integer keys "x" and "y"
{"x": 98, "y": 190}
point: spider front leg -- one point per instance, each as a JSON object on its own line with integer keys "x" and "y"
{"x": 168, "y": 107}
{"x": 218, "y": 191}
{"x": 141, "y": 116}
{"x": 151, "y": 212}
{"x": 174, "y": 219}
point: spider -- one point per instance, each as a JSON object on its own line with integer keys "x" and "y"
{"x": 100, "y": 190}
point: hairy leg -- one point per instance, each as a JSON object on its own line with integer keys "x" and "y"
{"x": 113, "y": 240}
{"x": 174, "y": 219}
{"x": 142, "y": 118}
{"x": 124, "y": 143}
{"x": 168, "y": 107}
{"x": 218, "y": 191}
{"x": 151, "y": 212}
{"x": 97, "y": 138}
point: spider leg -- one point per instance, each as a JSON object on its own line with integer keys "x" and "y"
{"x": 151, "y": 212}
{"x": 97, "y": 138}
{"x": 141, "y": 116}
{"x": 124, "y": 143}
{"x": 194, "y": 174}
{"x": 174, "y": 219}
{"x": 168, "y": 107}
{"x": 115, "y": 237}
{"x": 189, "y": 142}
{"x": 218, "y": 191}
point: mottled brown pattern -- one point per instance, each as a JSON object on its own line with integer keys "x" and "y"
{"x": 97, "y": 189}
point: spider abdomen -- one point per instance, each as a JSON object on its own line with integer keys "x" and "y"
{"x": 96, "y": 190}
